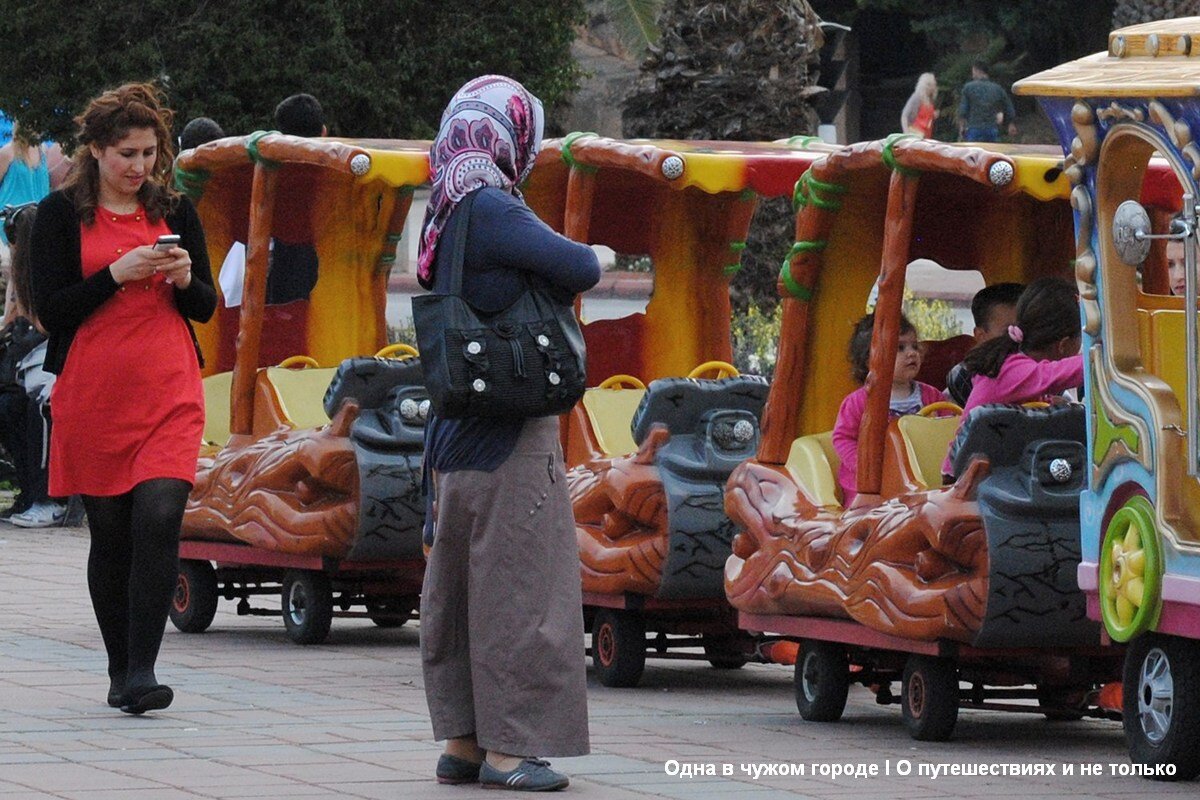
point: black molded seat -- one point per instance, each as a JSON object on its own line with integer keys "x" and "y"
{"x": 1002, "y": 432}
{"x": 681, "y": 403}
{"x": 369, "y": 380}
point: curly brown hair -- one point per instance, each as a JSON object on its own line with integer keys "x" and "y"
{"x": 107, "y": 120}
{"x": 860, "y": 344}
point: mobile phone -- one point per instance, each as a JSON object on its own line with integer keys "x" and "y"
{"x": 166, "y": 242}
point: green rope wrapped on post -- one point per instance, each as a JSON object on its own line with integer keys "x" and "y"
{"x": 808, "y": 190}
{"x": 567, "y": 156}
{"x": 736, "y": 266}
{"x": 889, "y": 157}
{"x": 190, "y": 182}
{"x": 255, "y": 155}
{"x": 803, "y": 141}
{"x": 794, "y": 288}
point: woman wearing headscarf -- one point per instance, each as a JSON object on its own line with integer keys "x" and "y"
{"x": 501, "y": 621}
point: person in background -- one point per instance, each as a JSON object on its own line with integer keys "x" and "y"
{"x": 921, "y": 109}
{"x": 300, "y": 115}
{"x": 1176, "y": 258}
{"x": 984, "y": 107}
{"x": 198, "y": 131}
{"x": 908, "y": 396}
{"x": 24, "y": 171}
{"x": 232, "y": 273}
{"x": 128, "y": 403}
{"x": 500, "y": 622}
{"x": 294, "y": 267}
{"x": 25, "y": 386}
{"x": 993, "y": 308}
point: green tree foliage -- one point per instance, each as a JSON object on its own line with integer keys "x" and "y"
{"x": 933, "y": 319}
{"x": 635, "y": 21}
{"x": 381, "y": 68}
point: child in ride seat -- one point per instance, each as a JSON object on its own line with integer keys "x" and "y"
{"x": 908, "y": 395}
{"x": 1037, "y": 359}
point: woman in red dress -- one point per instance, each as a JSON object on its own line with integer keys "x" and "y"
{"x": 128, "y": 406}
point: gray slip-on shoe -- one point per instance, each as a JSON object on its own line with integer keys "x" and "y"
{"x": 531, "y": 775}
{"x": 454, "y": 770}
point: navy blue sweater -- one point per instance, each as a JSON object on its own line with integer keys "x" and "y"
{"x": 504, "y": 237}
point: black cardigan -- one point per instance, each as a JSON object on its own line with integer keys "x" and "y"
{"x": 63, "y": 299}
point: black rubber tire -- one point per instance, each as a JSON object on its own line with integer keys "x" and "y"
{"x": 822, "y": 681}
{"x": 929, "y": 697}
{"x": 390, "y": 612}
{"x": 723, "y": 653}
{"x": 1175, "y": 742}
{"x": 195, "y": 602}
{"x": 307, "y": 606}
{"x": 618, "y": 647}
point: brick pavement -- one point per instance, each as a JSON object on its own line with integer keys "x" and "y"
{"x": 256, "y": 716}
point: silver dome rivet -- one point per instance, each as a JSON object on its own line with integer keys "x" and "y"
{"x": 409, "y": 409}
{"x": 360, "y": 165}
{"x": 1060, "y": 470}
{"x": 478, "y": 385}
{"x": 543, "y": 340}
{"x": 553, "y": 378}
{"x": 1000, "y": 173}
{"x": 474, "y": 348}
{"x": 423, "y": 409}
{"x": 743, "y": 431}
{"x": 672, "y": 167}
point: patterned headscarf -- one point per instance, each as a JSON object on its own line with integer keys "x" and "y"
{"x": 490, "y": 135}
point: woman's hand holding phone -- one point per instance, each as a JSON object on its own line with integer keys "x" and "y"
{"x": 138, "y": 264}
{"x": 179, "y": 269}
{"x": 165, "y": 256}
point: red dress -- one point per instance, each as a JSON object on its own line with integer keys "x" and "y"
{"x": 128, "y": 405}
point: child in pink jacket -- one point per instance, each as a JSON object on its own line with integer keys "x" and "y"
{"x": 908, "y": 396}
{"x": 1038, "y": 359}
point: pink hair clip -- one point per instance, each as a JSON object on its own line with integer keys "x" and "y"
{"x": 1016, "y": 334}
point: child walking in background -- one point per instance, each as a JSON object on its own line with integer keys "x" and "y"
{"x": 908, "y": 396}
{"x": 1038, "y": 358}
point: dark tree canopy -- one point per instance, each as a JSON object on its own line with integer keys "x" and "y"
{"x": 744, "y": 70}
{"x": 740, "y": 69}
{"x": 381, "y": 68}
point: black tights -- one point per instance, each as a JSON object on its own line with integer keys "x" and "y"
{"x": 133, "y": 567}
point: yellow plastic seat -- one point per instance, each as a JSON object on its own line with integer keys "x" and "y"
{"x": 926, "y": 441}
{"x": 301, "y": 394}
{"x": 216, "y": 408}
{"x": 1162, "y": 333}
{"x": 813, "y": 464}
{"x": 610, "y": 412}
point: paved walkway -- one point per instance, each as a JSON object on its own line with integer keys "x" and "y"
{"x": 256, "y": 716}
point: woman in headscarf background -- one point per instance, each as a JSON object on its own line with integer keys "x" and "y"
{"x": 501, "y": 621}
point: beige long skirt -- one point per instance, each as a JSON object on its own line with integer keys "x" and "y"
{"x": 501, "y": 606}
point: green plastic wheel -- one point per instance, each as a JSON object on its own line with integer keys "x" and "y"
{"x": 1130, "y": 571}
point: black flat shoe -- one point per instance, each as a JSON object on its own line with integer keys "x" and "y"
{"x": 150, "y": 698}
{"x": 117, "y": 692}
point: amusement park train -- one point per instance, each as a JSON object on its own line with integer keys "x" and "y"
{"x": 1059, "y": 556}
